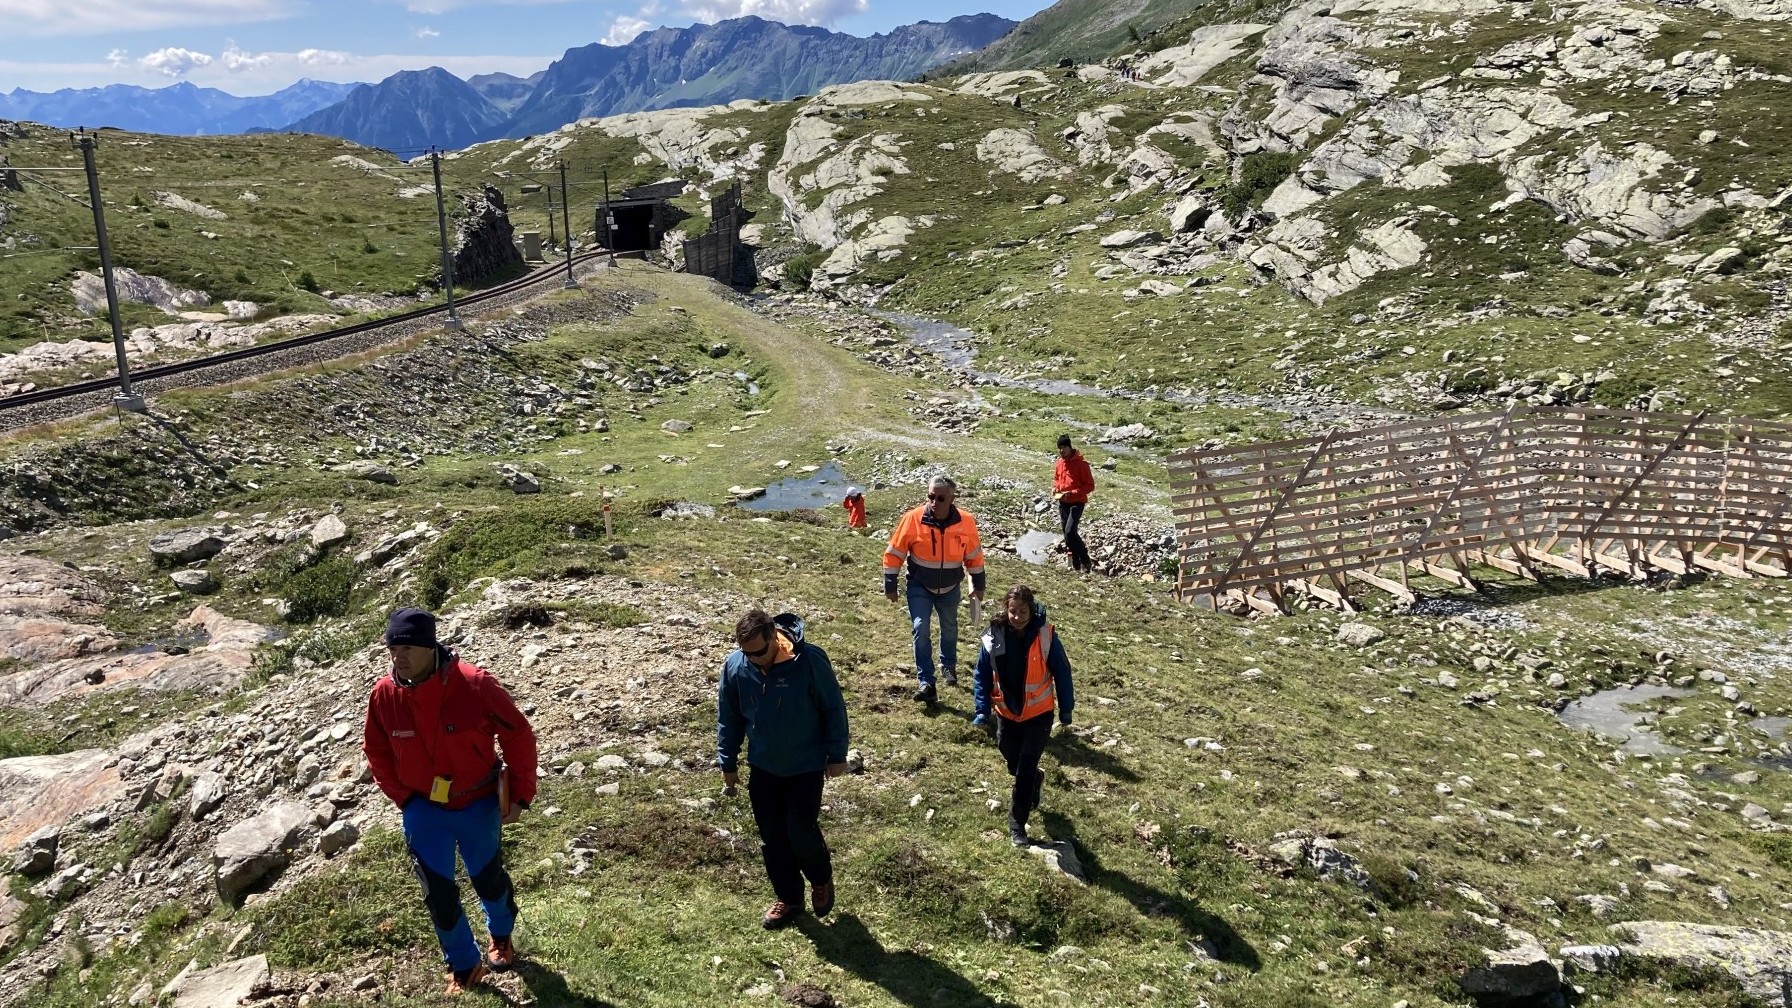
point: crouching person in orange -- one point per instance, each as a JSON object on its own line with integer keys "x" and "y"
{"x": 433, "y": 730}
{"x": 1023, "y": 667}
{"x": 855, "y": 509}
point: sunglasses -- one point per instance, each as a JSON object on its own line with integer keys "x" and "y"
{"x": 762, "y": 652}
{"x": 939, "y": 497}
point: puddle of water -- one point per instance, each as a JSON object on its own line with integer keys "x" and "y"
{"x": 1037, "y": 547}
{"x": 1773, "y": 727}
{"x": 1606, "y": 712}
{"x": 822, "y": 488}
{"x": 175, "y": 644}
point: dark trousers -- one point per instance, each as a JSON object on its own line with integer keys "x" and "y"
{"x": 1022, "y": 743}
{"x": 787, "y": 811}
{"x": 1070, "y": 516}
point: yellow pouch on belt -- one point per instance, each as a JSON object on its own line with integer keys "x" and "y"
{"x": 438, "y": 792}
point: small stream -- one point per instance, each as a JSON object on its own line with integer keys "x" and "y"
{"x": 822, "y": 488}
{"x": 1607, "y": 712}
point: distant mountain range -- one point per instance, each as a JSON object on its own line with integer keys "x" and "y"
{"x": 745, "y": 57}
{"x": 181, "y": 109}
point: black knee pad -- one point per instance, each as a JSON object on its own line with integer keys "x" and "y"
{"x": 440, "y": 895}
{"x": 493, "y": 883}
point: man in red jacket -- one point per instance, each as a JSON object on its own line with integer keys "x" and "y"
{"x": 1072, "y": 483}
{"x": 429, "y": 737}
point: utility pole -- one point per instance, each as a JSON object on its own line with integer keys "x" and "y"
{"x": 126, "y": 399}
{"x": 454, "y": 323}
{"x": 609, "y": 220}
{"x": 566, "y": 225}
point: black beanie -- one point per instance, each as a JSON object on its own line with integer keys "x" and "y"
{"x": 411, "y": 627}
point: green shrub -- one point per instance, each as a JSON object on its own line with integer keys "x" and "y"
{"x": 1258, "y": 175}
{"x": 528, "y": 536}
{"x": 799, "y": 270}
{"x": 308, "y": 282}
{"x": 323, "y": 590}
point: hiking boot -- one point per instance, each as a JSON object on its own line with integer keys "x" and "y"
{"x": 927, "y": 694}
{"x": 781, "y": 915}
{"x": 502, "y": 957}
{"x": 1038, "y": 787}
{"x": 822, "y": 897}
{"x": 1017, "y": 834}
{"x": 465, "y": 980}
{"x": 951, "y": 678}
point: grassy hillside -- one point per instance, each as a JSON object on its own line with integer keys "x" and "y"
{"x": 1200, "y": 740}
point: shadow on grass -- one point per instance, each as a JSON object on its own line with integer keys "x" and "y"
{"x": 909, "y": 977}
{"x": 1071, "y": 750}
{"x": 1208, "y": 934}
{"x": 547, "y": 989}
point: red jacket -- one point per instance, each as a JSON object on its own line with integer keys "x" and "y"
{"x": 855, "y": 511}
{"x": 446, "y": 725}
{"x": 1073, "y": 479}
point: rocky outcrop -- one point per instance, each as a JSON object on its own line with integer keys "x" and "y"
{"x": 484, "y": 243}
{"x": 39, "y": 792}
{"x": 222, "y": 986}
{"x": 1017, "y": 153}
{"x": 255, "y": 848}
{"x": 223, "y": 659}
{"x": 133, "y": 287}
{"x": 1761, "y": 961}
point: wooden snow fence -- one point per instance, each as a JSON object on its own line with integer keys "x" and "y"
{"x": 1573, "y": 489}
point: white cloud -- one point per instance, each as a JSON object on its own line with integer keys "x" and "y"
{"x": 110, "y": 17}
{"x": 118, "y": 58}
{"x": 426, "y": 32}
{"x": 174, "y": 61}
{"x": 811, "y": 12}
{"x": 323, "y": 57}
{"x": 239, "y": 61}
{"x": 624, "y": 29}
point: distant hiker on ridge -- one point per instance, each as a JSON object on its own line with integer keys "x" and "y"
{"x": 1023, "y": 668}
{"x": 429, "y": 737}
{"x": 779, "y": 695}
{"x": 939, "y": 544}
{"x": 1072, "y": 483}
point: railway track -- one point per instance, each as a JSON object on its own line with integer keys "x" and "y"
{"x": 49, "y": 405}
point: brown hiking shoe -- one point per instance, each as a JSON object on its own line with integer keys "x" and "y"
{"x": 502, "y": 957}
{"x": 822, "y": 896}
{"x": 780, "y": 915}
{"x": 465, "y": 980}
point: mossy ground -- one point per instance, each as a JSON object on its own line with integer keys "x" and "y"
{"x": 935, "y": 907}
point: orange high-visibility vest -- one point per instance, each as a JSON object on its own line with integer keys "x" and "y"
{"x": 1042, "y": 689}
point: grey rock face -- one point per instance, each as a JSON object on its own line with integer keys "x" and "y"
{"x": 186, "y": 546}
{"x": 1759, "y": 960}
{"x": 194, "y": 582}
{"x": 37, "y": 854}
{"x": 339, "y": 837}
{"x": 251, "y": 850}
{"x": 372, "y": 472}
{"x": 221, "y": 986}
{"x": 329, "y": 531}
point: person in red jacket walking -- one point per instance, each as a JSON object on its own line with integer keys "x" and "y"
{"x": 434, "y": 728}
{"x": 1072, "y": 483}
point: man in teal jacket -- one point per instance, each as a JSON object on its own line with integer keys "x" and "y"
{"x": 779, "y": 694}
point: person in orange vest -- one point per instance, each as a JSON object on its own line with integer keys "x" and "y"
{"x": 435, "y": 725}
{"x": 1072, "y": 483}
{"x": 855, "y": 509}
{"x": 1024, "y": 675}
{"x": 939, "y": 544}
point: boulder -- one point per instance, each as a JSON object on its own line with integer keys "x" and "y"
{"x": 1761, "y": 961}
{"x": 522, "y": 482}
{"x": 372, "y": 472}
{"x": 194, "y": 582}
{"x": 11, "y": 913}
{"x": 37, "y": 854}
{"x": 676, "y": 427}
{"x": 209, "y": 791}
{"x": 1588, "y": 958}
{"x": 1360, "y": 634}
{"x": 329, "y": 531}
{"x": 1523, "y": 974}
{"x": 186, "y": 546}
{"x": 1060, "y": 856}
{"x": 1129, "y": 238}
{"x": 253, "y": 849}
{"x": 221, "y": 986}
{"x": 341, "y": 835}
{"x": 1323, "y": 855}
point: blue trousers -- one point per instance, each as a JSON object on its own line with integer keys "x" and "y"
{"x": 433, "y": 834}
{"x": 922, "y": 606}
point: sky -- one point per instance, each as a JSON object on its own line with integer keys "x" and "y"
{"x": 255, "y": 47}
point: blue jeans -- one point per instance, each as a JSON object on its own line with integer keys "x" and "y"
{"x": 922, "y": 605}
{"x": 433, "y": 833}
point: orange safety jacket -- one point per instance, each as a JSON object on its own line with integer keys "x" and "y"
{"x": 1042, "y": 691}
{"x": 939, "y": 553}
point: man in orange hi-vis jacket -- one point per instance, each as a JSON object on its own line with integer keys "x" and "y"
{"x": 939, "y": 544}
